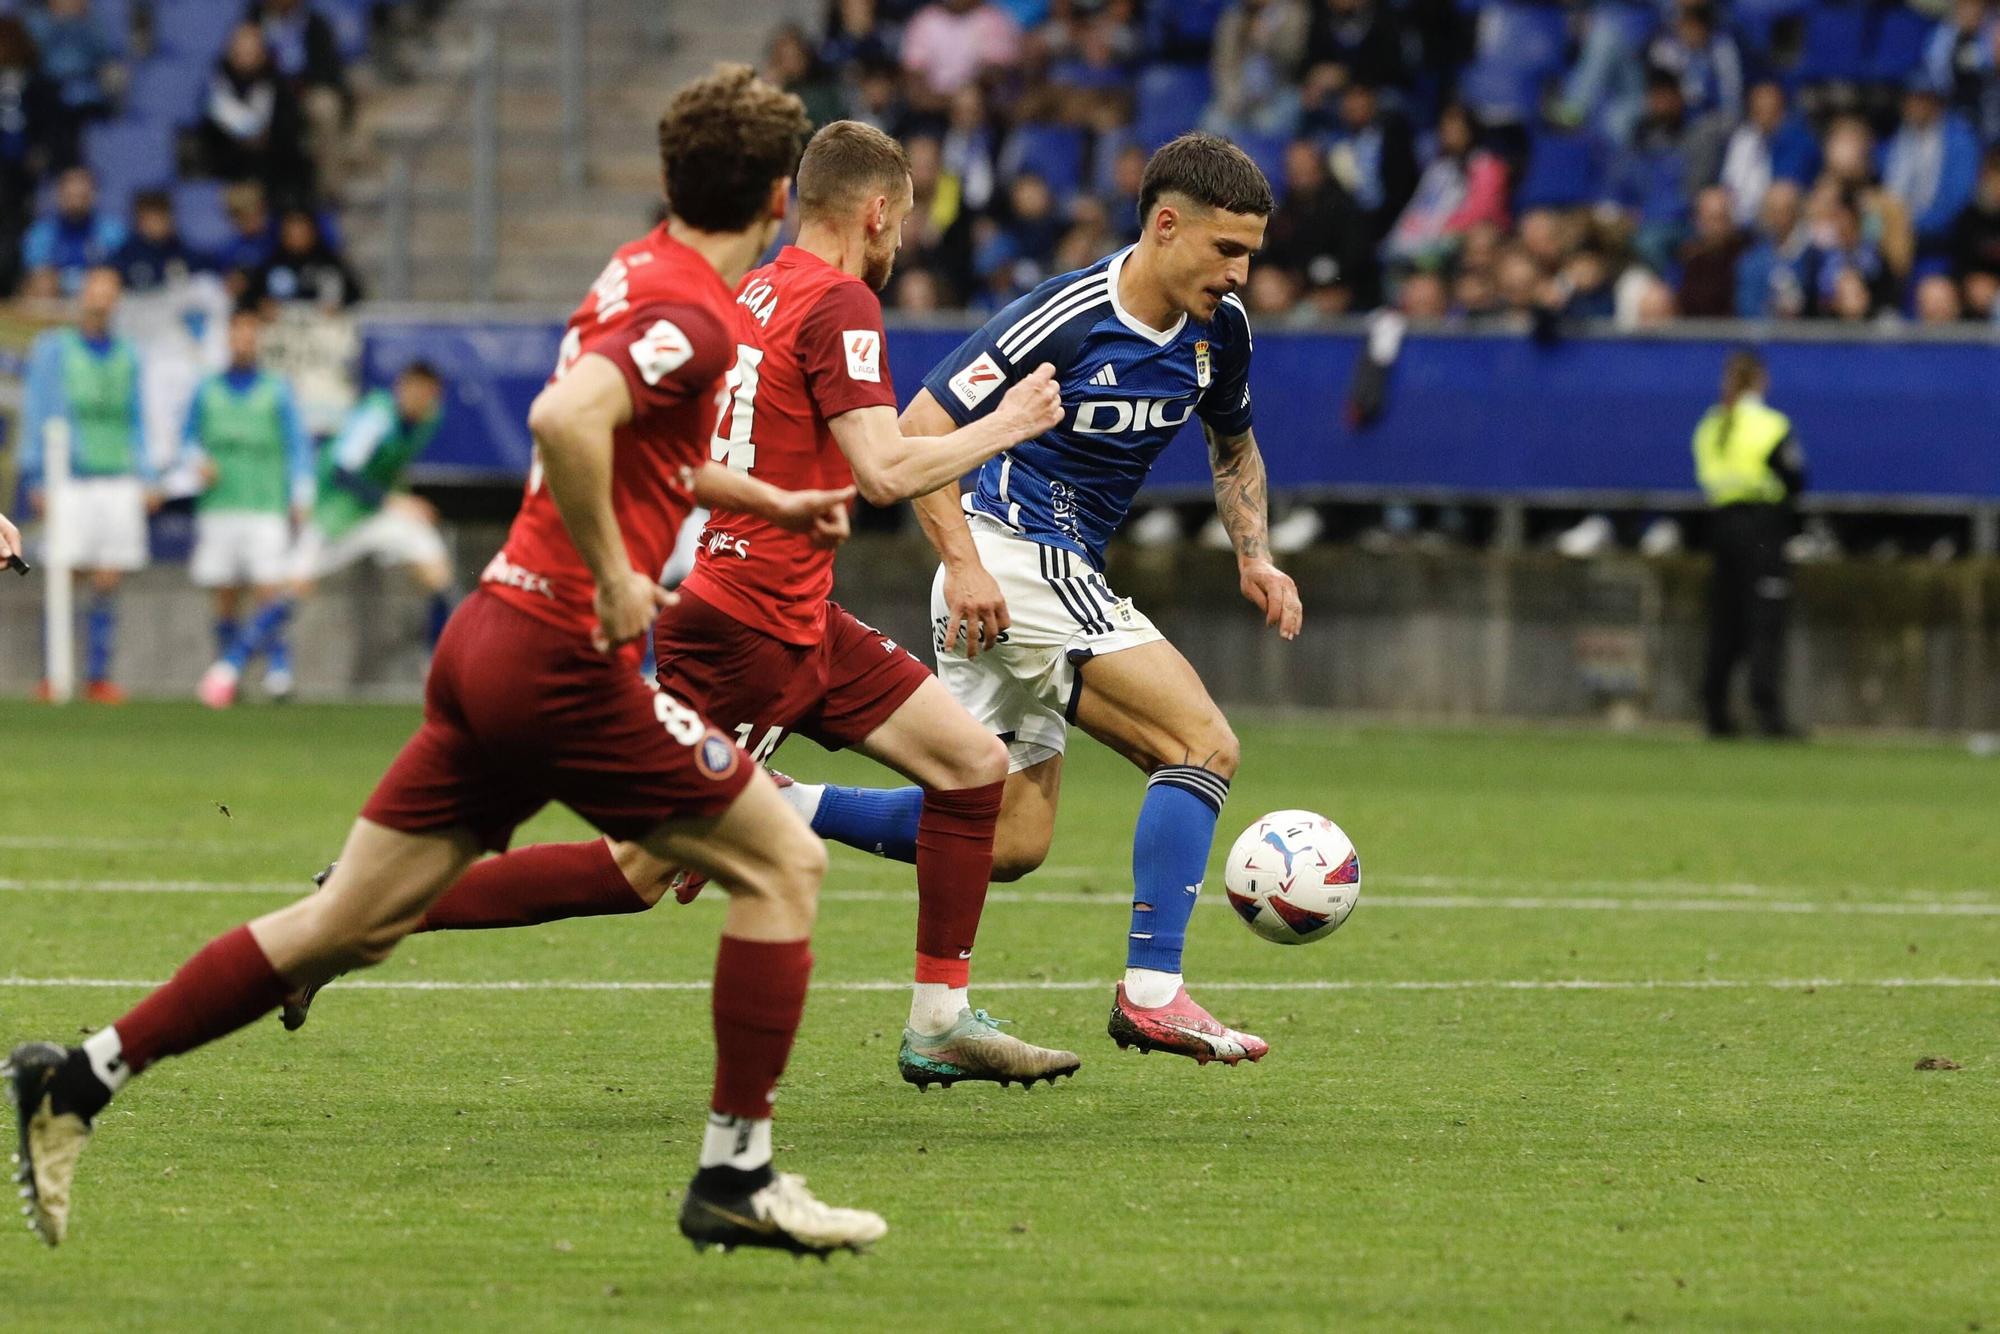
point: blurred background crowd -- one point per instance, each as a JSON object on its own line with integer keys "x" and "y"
{"x": 1495, "y": 160}
{"x": 1468, "y": 160}
{"x": 184, "y": 136}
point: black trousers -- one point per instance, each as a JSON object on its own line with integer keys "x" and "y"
{"x": 1749, "y": 604}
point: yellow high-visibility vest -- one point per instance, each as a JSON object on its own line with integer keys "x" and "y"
{"x": 1733, "y": 449}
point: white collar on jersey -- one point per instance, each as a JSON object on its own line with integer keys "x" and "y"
{"x": 1158, "y": 337}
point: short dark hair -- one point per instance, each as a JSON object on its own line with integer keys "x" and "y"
{"x": 155, "y": 200}
{"x": 1209, "y": 170}
{"x": 846, "y": 162}
{"x": 422, "y": 369}
{"x": 723, "y": 140}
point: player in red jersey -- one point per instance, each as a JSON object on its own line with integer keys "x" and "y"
{"x": 754, "y": 640}
{"x": 533, "y": 696}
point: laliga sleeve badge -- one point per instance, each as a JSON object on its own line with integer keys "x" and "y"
{"x": 716, "y": 756}
{"x": 1204, "y": 371}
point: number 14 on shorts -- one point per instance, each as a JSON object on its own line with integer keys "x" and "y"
{"x": 766, "y": 746}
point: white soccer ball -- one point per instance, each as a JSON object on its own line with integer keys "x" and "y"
{"x": 1293, "y": 876}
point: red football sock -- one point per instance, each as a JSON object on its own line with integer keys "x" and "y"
{"x": 954, "y": 863}
{"x": 543, "y": 883}
{"x": 227, "y": 985}
{"x": 759, "y": 996}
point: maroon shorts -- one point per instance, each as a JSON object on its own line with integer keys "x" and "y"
{"x": 760, "y": 689}
{"x": 519, "y": 713}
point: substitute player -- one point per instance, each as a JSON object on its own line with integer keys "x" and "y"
{"x": 245, "y": 443}
{"x": 1030, "y": 637}
{"x": 88, "y": 376}
{"x": 534, "y": 696}
{"x": 755, "y": 641}
{"x": 363, "y": 512}
{"x": 359, "y": 513}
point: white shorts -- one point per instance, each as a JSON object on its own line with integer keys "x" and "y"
{"x": 388, "y": 538}
{"x": 237, "y": 547}
{"x": 1061, "y": 614}
{"x": 100, "y": 525}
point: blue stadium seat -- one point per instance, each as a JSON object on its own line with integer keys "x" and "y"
{"x": 1835, "y": 44}
{"x": 198, "y": 209}
{"x": 196, "y": 29}
{"x": 128, "y": 155}
{"x": 1755, "y": 20}
{"x": 1562, "y": 171}
{"x": 1899, "y": 45}
{"x": 1170, "y": 100}
{"x": 1527, "y": 39}
{"x": 1184, "y": 25}
{"x": 1053, "y": 152}
{"x": 167, "y": 90}
{"x": 1268, "y": 152}
{"x": 1498, "y": 94}
{"x": 114, "y": 20}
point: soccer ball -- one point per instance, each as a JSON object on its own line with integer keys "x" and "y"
{"x": 1293, "y": 877}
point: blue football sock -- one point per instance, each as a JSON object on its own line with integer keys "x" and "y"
{"x": 278, "y": 651}
{"x": 438, "y": 611}
{"x": 100, "y": 637}
{"x": 1169, "y": 858}
{"x": 874, "y": 819}
{"x": 266, "y": 628}
{"x": 226, "y": 630}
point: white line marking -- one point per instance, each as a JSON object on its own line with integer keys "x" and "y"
{"x": 64, "y": 843}
{"x": 1308, "y": 984}
{"x": 1431, "y": 902}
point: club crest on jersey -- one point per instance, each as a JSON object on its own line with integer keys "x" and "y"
{"x": 864, "y": 355}
{"x": 1203, "y": 370}
{"x": 716, "y": 756}
{"x": 978, "y": 380}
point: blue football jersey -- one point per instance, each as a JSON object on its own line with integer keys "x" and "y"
{"x": 1126, "y": 389}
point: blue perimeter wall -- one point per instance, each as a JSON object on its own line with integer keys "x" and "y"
{"x": 1503, "y": 416}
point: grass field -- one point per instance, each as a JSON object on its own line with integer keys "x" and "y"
{"x": 1623, "y": 1033}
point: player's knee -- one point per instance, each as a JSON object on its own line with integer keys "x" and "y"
{"x": 648, "y": 876}
{"x": 978, "y": 763}
{"x": 1225, "y": 752}
{"x": 1015, "y": 857}
{"x": 789, "y": 873}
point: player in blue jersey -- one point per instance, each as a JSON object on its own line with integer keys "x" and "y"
{"x": 1029, "y": 636}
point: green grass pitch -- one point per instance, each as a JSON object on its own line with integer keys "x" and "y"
{"x": 1719, "y": 1125}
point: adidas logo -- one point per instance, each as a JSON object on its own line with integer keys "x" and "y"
{"x": 1105, "y": 376}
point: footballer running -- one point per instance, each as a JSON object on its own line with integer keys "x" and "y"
{"x": 534, "y": 696}
{"x": 755, "y": 641}
{"x": 1030, "y": 637}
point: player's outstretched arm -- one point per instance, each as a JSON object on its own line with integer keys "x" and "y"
{"x": 1242, "y": 499}
{"x": 820, "y": 514}
{"x": 976, "y": 604}
{"x": 10, "y": 541}
{"x": 892, "y": 463}
{"x": 572, "y": 421}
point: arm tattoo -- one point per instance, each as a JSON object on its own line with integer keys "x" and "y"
{"x": 1240, "y": 492}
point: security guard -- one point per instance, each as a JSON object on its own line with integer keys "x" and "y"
{"x": 1751, "y": 470}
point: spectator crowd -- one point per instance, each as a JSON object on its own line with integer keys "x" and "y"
{"x": 1473, "y": 160}
{"x": 166, "y": 138}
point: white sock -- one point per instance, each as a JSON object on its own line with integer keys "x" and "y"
{"x": 804, "y": 798}
{"x": 736, "y": 1141}
{"x": 934, "y": 1006}
{"x": 107, "y": 1058}
{"x": 1149, "y": 988}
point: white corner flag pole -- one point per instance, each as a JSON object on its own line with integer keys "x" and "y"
{"x": 59, "y": 596}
